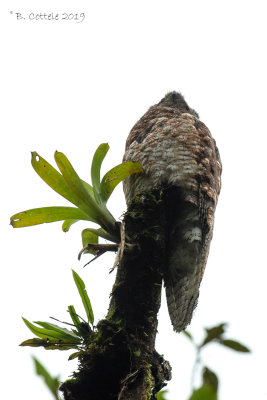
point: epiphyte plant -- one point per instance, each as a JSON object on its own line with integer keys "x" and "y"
{"x": 90, "y": 200}
{"x": 51, "y": 336}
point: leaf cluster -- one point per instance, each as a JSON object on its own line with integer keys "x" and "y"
{"x": 90, "y": 200}
{"x": 52, "y": 336}
{"x": 210, "y": 382}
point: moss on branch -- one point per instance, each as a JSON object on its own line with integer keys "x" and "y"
{"x": 121, "y": 361}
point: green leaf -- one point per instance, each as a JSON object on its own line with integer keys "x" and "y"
{"x": 210, "y": 378}
{"x": 51, "y": 382}
{"x": 234, "y": 345}
{"x": 53, "y": 345}
{"x": 84, "y": 296}
{"x": 49, "y": 344}
{"x": 98, "y": 158}
{"x": 104, "y": 234}
{"x": 161, "y": 395}
{"x": 67, "y": 224}
{"x": 51, "y": 334}
{"x": 74, "y": 317}
{"x": 88, "y": 237}
{"x": 205, "y": 392}
{"x": 53, "y": 178}
{"x": 214, "y": 333}
{"x": 86, "y": 202}
{"x": 35, "y": 342}
{"x": 42, "y": 215}
{"x": 188, "y": 335}
{"x": 89, "y": 189}
{"x": 75, "y": 355}
{"x": 82, "y": 327}
{"x": 64, "y": 331}
{"x": 113, "y": 177}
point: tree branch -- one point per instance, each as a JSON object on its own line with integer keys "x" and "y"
{"x": 121, "y": 362}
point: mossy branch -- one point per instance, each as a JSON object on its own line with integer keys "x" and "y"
{"x": 121, "y": 361}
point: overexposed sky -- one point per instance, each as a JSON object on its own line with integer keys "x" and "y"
{"x": 70, "y": 86}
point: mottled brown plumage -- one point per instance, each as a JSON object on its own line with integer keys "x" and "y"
{"x": 178, "y": 153}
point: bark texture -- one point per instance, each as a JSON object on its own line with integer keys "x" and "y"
{"x": 121, "y": 361}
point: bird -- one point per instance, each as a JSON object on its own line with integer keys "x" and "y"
{"x": 178, "y": 153}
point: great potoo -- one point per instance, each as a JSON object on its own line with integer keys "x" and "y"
{"x": 178, "y": 153}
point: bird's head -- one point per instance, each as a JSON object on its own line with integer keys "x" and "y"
{"x": 176, "y": 100}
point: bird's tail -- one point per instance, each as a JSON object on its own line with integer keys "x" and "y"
{"x": 182, "y": 296}
{"x": 184, "y": 262}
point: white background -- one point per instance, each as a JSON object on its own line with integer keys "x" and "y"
{"x": 70, "y": 86}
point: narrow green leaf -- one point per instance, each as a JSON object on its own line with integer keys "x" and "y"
{"x": 84, "y": 296}
{"x": 50, "y": 334}
{"x": 35, "y": 342}
{"x": 61, "y": 346}
{"x": 113, "y": 177}
{"x": 210, "y": 378}
{"x": 82, "y": 327}
{"x": 49, "y": 344}
{"x": 188, "y": 335}
{"x": 42, "y": 215}
{"x": 88, "y": 237}
{"x": 53, "y": 178}
{"x": 68, "y": 223}
{"x": 214, "y": 333}
{"x": 104, "y": 234}
{"x": 234, "y": 345}
{"x": 75, "y": 355}
{"x": 64, "y": 331}
{"x": 89, "y": 189}
{"x": 74, "y": 316}
{"x": 86, "y": 202}
{"x": 205, "y": 392}
{"x": 98, "y": 158}
{"x": 51, "y": 382}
